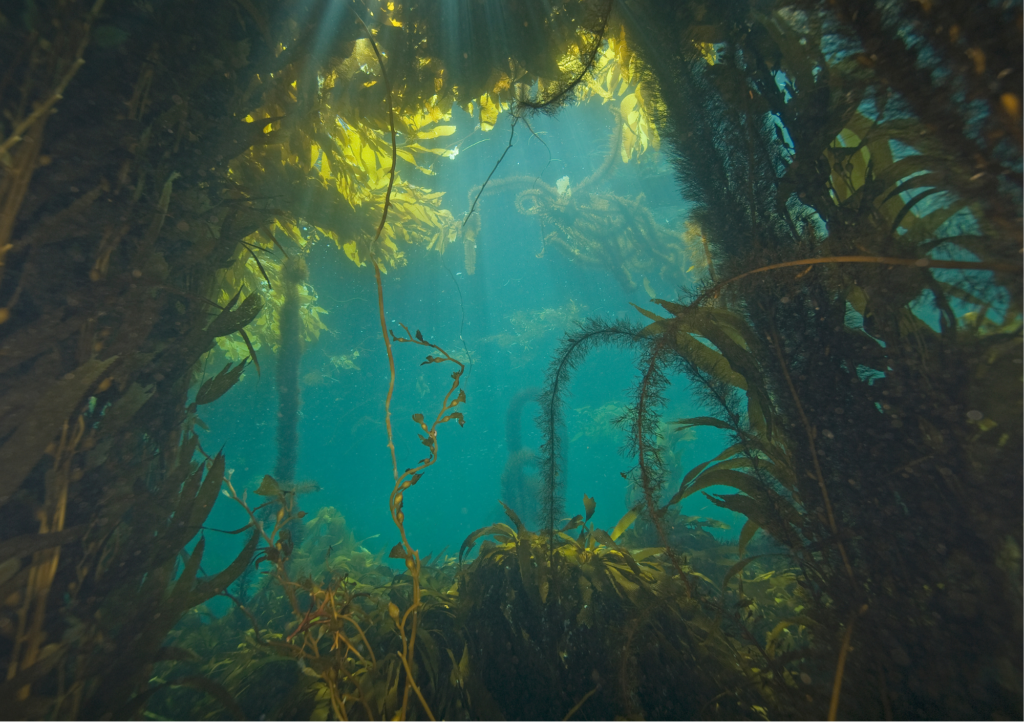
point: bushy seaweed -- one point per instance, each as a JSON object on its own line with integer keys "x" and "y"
{"x": 855, "y": 174}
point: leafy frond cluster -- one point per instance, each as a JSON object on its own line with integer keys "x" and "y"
{"x": 861, "y": 299}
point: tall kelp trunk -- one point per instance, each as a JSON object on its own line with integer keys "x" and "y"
{"x": 287, "y": 373}
{"x": 870, "y": 151}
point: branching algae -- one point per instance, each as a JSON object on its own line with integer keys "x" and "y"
{"x": 853, "y": 327}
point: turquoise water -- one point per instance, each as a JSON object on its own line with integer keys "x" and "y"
{"x": 504, "y": 322}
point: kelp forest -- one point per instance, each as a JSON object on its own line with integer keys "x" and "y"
{"x": 839, "y": 305}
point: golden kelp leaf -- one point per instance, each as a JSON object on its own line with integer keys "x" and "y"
{"x": 426, "y": 117}
{"x": 738, "y": 568}
{"x": 746, "y": 533}
{"x": 772, "y": 640}
{"x": 457, "y": 416}
{"x": 623, "y": 524}
{"x": 499, "y": 530}
{"x": 702, "y": 421}
{"x": 623, "y": 52}
{"x": 268, "y": 487}
{"x": 575, "y": 522}
{"x": 589, "y": 505}
{"x": 435, "y": 132}
{"x": 292, "y": 230}
{"x": 707, "y": 52}
{"x": 488, "y": 112}
{"x": 417, "y": 148}
{"x": 645, "y": 553}
{"x": 352, "y": 252}
{"x": 231, "y": 320}
{"x": 628, "y": 107}
{"x": 725, "y": 454}
{"x": 406, "y": 156}
{"x": 520, "y": 527}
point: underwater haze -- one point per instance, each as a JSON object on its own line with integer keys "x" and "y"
{"x": 445, "y": 359}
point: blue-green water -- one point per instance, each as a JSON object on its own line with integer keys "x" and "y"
{"x": 508, "y": 316}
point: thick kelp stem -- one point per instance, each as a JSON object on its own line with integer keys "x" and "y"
{"x": 513, "y": 418}
{"x": 289, "y": 357}
{"x": 518, "y": 489}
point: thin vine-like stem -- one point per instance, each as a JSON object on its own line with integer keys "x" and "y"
{"x": 581, "y": 702}
{"x": 391, "y": 368}
{"x": 412, "y": 682}
{"x": 405, "y": 480}
{"x": 814, "y": 457}
{"x": 837, "y": 683}
{"x": 362, "y": 635}
{"x": 643, "y": 450}
{"x": 394, "y": 144}
{"x": 921, "y": 263}
{"x": 412, "y": 560}
{"x": 409, "y": 478}
{"x": 511, "y": 137}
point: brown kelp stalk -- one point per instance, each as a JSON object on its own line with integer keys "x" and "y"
{"x": 294, "y": 273}
{"x": 921, "y": 263}
{"x": 405, "y": 481}
{"x": 837, "y": 683}
{"x": 410, "y": 477}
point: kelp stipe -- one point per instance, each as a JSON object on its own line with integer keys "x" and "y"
{"x": 289, "y": 357}
{"x": 519, "y": 488}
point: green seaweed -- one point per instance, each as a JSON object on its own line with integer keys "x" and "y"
{"x": 855, "y": 333}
